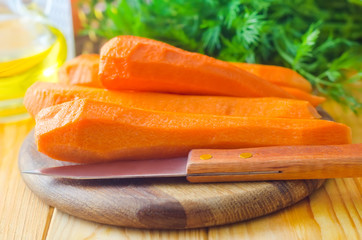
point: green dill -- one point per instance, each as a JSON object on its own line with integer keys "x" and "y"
{"x": 322, "y": 40}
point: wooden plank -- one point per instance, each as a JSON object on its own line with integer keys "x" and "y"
{"x": 295, "y": 222}
{"x": 332, "y": 212}
{"x": 64, "y": 226}
{"x": 23, "y": 215}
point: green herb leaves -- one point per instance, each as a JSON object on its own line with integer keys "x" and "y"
{"x": 308, "y": 41}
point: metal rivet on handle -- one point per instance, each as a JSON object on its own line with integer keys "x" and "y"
{"x": 245, "y": 155}
{"x": 205, "y": 156}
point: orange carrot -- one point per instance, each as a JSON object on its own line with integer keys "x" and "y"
{"x": 301, "y": 95}
{"x": 82, "y": 70}
{"x": 87, "y": 131}
{"x": 140, "y": 64}
{"x": 42, "y": 94}
{"x": 280, "y": 76}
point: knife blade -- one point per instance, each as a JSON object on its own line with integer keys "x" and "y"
{"x": 228, "y": 165}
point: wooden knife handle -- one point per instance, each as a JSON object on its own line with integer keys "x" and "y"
{"x": 275, "y": 163}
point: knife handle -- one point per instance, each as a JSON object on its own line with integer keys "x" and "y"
{"x": 275, "y": 163}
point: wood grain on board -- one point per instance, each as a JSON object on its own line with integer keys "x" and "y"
{"x": 167, "y": 203}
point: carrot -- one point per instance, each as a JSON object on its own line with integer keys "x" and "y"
{"x": 301, "y": 95}
{"x": 87, "y": 131}
{"x": 280, "y": 76}
{"x": 140, "y": 64}
{"x": 42, "y": 94}
{"x": 82, "y": 70}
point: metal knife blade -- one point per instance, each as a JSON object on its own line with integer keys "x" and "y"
{"x": 172, "y": 167}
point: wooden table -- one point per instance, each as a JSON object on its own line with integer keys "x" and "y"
{"x": 332, "y": 212}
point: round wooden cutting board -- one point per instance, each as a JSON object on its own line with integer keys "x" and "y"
{"x": 168, "y": 203}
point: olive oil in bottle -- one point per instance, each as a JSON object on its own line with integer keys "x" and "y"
{"x": 30, "y": 50}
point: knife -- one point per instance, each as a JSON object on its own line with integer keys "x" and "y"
{"x": 229, "y": 165}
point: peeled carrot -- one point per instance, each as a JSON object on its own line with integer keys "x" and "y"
{"x": 280, "y": 76}
{"x": 82, "y": 70}
{"x": 42, "y": 94}
{"x": 301, "y": 95}
{"x": 140, "y": 64}
{"x": 87, "y": 131}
